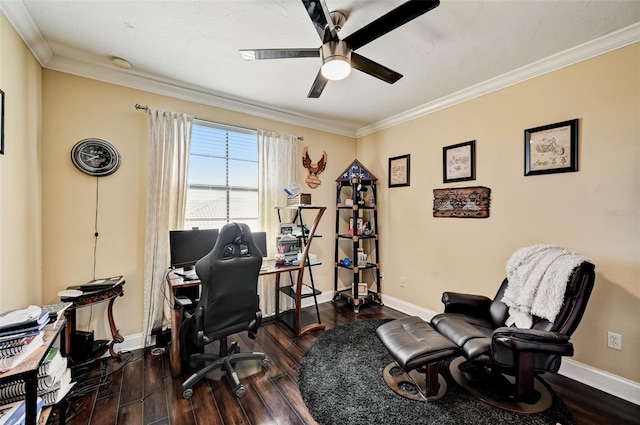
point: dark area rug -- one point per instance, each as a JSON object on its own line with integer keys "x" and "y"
{"x": 340, "y": 379}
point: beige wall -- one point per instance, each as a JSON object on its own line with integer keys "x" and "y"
{"x": 47, "y": 207}
{"x": 76, "y": 108}
{"x": 20, "y": 174}
{"x": 595, "y": 211}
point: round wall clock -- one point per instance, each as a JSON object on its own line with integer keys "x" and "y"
{"x": 95, "y": 157}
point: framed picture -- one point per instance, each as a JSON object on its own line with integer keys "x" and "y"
{"x": 1, "y": 122}
{"x": 551, "y": 148}
{"x": 399, "y": 170}
{"x": 459, "y": 162}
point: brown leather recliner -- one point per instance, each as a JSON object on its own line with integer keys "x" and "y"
{"x": 476, "y": 324}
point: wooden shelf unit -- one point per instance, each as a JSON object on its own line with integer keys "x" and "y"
{"x": 301, "y": 322}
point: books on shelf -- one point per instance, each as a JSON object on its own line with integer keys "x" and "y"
{"x": 56, "y": 310}
{"x": 16, "y": 346}
{"x": 23, "y": 320}
{"x": 15, "y": 413}
{"x": 54, "y": 381}
{"x": 53, "y": 362}
{"x": 8, "y": 363}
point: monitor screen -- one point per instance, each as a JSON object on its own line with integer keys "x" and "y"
{"x": 188, "y": 246}
{"x": 260, "y": 239}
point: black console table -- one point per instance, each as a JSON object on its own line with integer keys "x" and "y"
{"x": 88, "y": 299}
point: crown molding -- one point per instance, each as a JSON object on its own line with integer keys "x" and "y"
{"x": 615, "y": 40}
{"x": 192, "y": 93}
{"x": 17, "y": 15}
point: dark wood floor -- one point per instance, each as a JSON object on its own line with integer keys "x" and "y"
{"x": 138, "y": 389}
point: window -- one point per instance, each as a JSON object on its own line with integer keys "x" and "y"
{"x": 223, "y": 176}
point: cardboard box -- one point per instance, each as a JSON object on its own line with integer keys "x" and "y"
{"x": 299, "y": 199}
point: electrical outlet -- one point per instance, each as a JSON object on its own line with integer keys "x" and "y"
{"x": 614, "y": 340}
{"x": 402, "y": 282}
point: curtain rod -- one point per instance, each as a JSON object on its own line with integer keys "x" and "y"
{"x": 140, "y": 107}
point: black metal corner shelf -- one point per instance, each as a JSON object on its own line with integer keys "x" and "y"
{"x": 358, "y": 204}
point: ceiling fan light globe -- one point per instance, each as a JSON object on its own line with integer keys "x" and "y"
{"x": 336, "y": 68}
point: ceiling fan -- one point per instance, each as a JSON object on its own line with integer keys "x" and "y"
{"x": 339, "y": 56}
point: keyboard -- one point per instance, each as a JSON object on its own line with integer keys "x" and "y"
{"x": 188, "y": 276}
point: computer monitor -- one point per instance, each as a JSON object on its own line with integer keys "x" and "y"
{"x": 188, "y": 246}
{"x": 260, "y": 239}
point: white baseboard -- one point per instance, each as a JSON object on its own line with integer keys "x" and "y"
{"x": 604, "y": 381}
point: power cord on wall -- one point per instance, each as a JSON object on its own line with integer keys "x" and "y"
{"x": 95, "y": 233}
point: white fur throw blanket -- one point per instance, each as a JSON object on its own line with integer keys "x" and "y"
{"x": 538, "y": 277}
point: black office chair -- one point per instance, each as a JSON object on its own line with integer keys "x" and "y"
{"x": 228, "y": 304}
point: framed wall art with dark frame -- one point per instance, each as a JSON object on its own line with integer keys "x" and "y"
{"x": 399, "y": 171}
{"x": 551, "y": 148}
{"x": 459, "y": 162}
{"x": 1, "y": 122}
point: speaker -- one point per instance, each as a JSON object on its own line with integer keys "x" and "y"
{"x": 81, "y": 345}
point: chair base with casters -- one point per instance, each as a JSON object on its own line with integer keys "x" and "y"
{"x": 229, "y": 304}
{"x": 226, "y": 360}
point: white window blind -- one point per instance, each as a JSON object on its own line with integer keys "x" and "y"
{"x": 222, "y": 176}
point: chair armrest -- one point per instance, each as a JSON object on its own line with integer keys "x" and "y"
{"x": 200, "y": 335}
{"x": 476, "y": 305}
{"x": 531, "y": 340}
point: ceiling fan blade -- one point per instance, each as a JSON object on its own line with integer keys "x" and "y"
{"x": 262, "y": 54}
{"x": 319, "y": 14}
{"x": 374, "y": 69}
{"x": 318, "y": 86}
{"x": 392, "y": 20}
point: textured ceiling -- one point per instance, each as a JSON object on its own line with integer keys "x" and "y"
{"x": 193, "y": 45}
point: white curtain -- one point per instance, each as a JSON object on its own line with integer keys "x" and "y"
{"x": 169, "y": 139}
{"x": 278, "y": 160}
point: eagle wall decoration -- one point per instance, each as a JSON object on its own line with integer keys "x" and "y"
{"x": 313, "y": 169}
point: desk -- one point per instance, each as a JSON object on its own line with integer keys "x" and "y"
{"x": 295, "y": 318}
{"x": 176, "y": 283}
{"x": 28, "y": 371}
{"x": 87, "y": 299}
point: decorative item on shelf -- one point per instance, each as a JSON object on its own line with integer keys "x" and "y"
{"x": 313, "y": 169}
{"x": 363, "y": 289}
{"x": 360, "y": 190}
{"x": 356, "y": 171}
{"x": 464, "y": 202}
{"x": 362, "y": 257}
{"x": 279, "y": 257}
{"x": 299, "y": 199}
{"x": 370, "y": 202}
{"x": 360, "y": 226}
{"x": 367, "y": 229}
